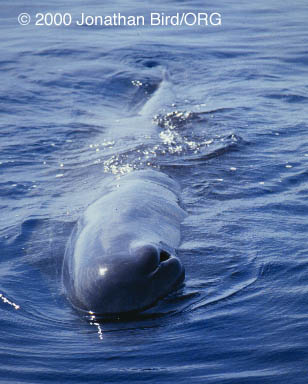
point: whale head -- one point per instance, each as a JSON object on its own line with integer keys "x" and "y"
{"x": 121, "y": 255}
{"x": 126, "y": 281}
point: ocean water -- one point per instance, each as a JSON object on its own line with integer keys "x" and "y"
{"x": 221, "y": 109}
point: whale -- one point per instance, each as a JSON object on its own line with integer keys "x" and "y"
{"x": 122, "y": 254}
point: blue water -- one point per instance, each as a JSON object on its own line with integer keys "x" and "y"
{"x": 80, "y": 106}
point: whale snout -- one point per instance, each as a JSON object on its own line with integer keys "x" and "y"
{"x": 132, "y": 282}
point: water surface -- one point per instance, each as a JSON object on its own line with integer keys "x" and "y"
{"x": 84, "y": 105}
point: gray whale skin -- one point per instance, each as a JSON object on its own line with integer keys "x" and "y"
{"x": 121, "y": 256}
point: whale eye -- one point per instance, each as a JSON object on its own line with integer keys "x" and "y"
{"x": 163, "y": 256}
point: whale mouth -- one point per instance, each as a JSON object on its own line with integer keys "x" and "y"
{"x": 164, "y": 256}
{"x": 163, "y": 260}
{"x": 152, "y": 258}
{"x": 170, "y": 266}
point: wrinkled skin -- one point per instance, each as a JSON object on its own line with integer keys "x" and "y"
{"x": 121, "y": 255}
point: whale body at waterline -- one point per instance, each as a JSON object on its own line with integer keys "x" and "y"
{"x": 121, "y": 256}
